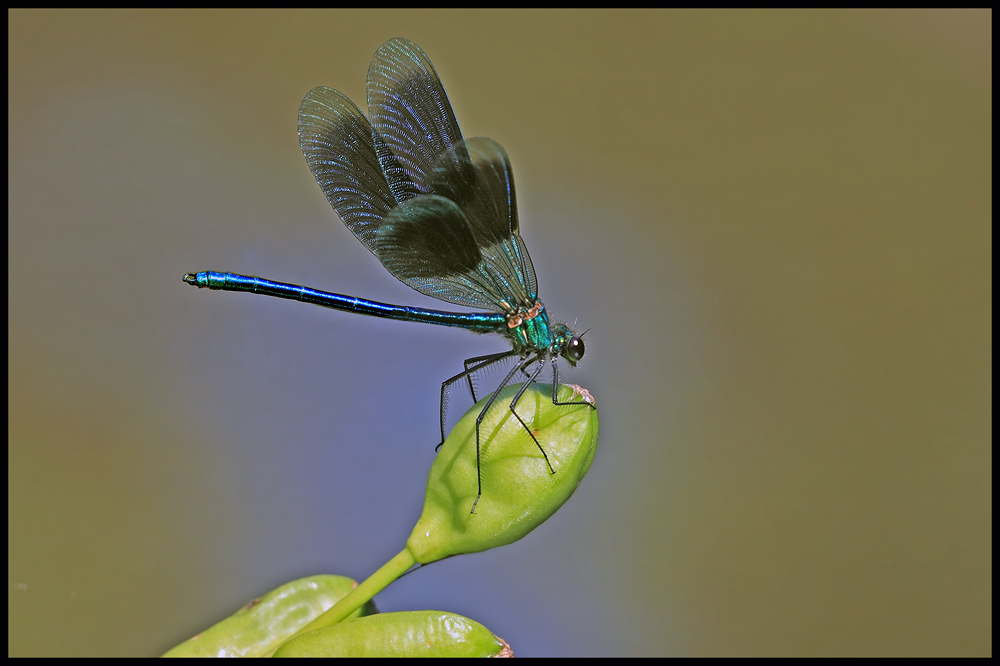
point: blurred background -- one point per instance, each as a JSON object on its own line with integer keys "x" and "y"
{"x": 776, "y": 225}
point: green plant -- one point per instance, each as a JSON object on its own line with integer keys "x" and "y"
{"x": 519, "y": 492}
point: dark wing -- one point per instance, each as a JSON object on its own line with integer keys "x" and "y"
{"x": 476, "y": 174}
{"x": 427, "y": 243}
{"x": 336, "y": 139}
{"x": 411, "y": 115}
{"x": 460, "y": 244}
{"x": 439, "y": 211}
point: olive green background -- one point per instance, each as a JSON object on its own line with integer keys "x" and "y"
{"x": 776, "y": 225}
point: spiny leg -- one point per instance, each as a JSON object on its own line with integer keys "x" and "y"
{"x": 447, "y": 384}
{"x": 555, "y": 388}
{"x": 482, "y": 415}
{"x": 472, "y": 361}
{"x": 517, "y": 398}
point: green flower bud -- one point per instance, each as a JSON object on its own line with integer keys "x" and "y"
{"x": 263, "y": 624}
{"x": 519, "y": 489}
{"x": 405, "y": 634}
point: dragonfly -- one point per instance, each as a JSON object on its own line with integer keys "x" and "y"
{"x": 439, "y": 211}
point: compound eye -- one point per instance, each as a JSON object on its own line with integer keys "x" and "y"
{"x": 575, "y": 348}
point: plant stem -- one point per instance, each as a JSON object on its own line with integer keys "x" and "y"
{"x": 360, "y": 595}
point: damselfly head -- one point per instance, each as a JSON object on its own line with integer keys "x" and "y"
{"x": 570, "y": 345}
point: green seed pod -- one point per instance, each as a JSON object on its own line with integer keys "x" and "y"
{"x": 405, "y": 634}
{"x": 519, "y": 489}
{"x": 263, "y": 624}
